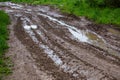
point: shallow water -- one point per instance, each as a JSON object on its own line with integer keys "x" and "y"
{"x": 66, "y": 60}
{"x": 115, "y": 32}
{"x": 87, "y": 36}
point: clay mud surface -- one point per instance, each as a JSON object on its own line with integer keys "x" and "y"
{"x": 46, "y": 44}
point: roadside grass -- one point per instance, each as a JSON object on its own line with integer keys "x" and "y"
{"x": 4, "y": 21}
{"x": 103, "y": 15}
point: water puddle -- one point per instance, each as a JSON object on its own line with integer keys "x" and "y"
{"x": 86, "y": 36}
{"x": 79, "y": 35}
{"x": 112, "y": 31}
{"x": 82, "y": 35}
{"x": 93, "y": 37}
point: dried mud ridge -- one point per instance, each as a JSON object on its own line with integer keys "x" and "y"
{"x": 64, "y": 46}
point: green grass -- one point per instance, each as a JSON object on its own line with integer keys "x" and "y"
{"x": 104, "y": 15}
{"x": 4, "y": 21}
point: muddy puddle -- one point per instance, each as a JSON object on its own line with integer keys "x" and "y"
{"x": 115, "y": 32}
{"x": 88, "y": 36}
{"x": 69, "y": 47}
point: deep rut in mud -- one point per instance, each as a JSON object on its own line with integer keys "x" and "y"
{"x": 64, "y": 46}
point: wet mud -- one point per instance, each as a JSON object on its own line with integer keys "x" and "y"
{"x": 65, "y": 46}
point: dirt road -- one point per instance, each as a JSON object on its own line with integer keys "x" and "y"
{"x": 46, "y": 44}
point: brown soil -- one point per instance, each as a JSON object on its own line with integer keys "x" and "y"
{"x": 52, "y": 52}
{"x": 24, "y": 65}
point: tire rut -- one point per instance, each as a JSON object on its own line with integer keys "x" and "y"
{"x": 62, "y": 45}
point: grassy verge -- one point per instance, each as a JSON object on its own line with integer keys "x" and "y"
{"x": 4, "y": 21}
{"x": 103, "y": 15}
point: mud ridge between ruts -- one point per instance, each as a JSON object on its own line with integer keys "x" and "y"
{"x": 66, "y": 47}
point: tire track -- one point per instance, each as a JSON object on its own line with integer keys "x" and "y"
{"x": 60, "y": 49}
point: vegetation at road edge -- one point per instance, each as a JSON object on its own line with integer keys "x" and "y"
{"x": 4, "y": 21}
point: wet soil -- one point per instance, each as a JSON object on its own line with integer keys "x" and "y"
{"x": 46, "y": 44}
